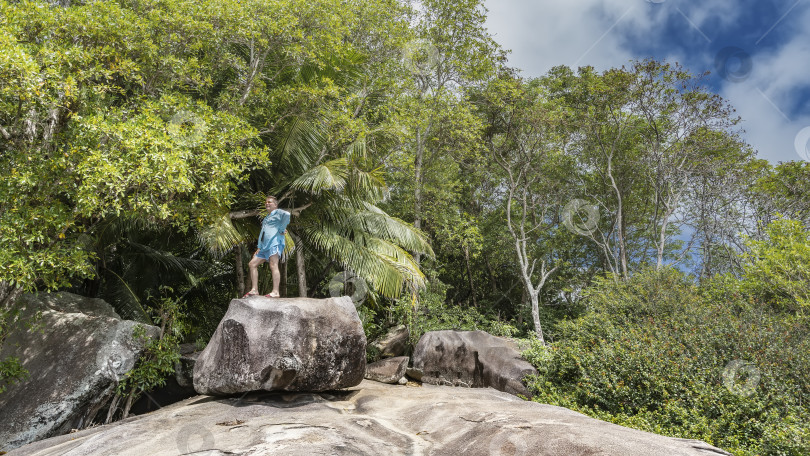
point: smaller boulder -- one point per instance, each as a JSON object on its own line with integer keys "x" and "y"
{"x": 389, "y": 370}
{"x": 393, "y": 343}
{"x": 414, "y": 373}
{"x": 472, "y": 359}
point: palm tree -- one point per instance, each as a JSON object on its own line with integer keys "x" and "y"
{"x": 332, "y": 190}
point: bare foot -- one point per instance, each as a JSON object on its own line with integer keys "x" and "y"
{"x": 274, "y": 294}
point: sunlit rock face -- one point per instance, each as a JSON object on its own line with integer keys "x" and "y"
{"x": 289, "y": 344}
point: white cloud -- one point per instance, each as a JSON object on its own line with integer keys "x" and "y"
{"x": 767, "y": 100}
{"x": 546, "y": 33}
{"x": 542, "y": 35}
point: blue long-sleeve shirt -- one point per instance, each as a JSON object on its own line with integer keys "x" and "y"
{"x": 272, "y": 227}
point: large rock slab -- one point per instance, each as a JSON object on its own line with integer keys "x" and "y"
{"x": 370, "y": 419}
{"x": 289, "y": 344}
{"x": 473, "y": 359}
{"x": 74, "y": 359}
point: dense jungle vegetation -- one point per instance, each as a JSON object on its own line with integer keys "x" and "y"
{"x": 615, "y": 222}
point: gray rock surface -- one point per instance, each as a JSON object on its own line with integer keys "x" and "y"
{"x": 370, "y": 419}
{"x": 394, "y": 342}
{"x": 389, "y": 370}
{"x": 82, "y": 347}
{"x": 472, "y": 359}
{"x": 289, "y": 344}
{"x": 184, "y": 369}
{"x": 415, "y": 374}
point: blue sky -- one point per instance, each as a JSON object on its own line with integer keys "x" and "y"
{"x": 758, "y": 51}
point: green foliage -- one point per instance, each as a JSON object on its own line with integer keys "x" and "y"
{"x": 784, "y": 189}
{"x": 651, "y": 352}
{"x": 11, "y": 371}
{"x": 777, "y": 268}
{"x": 432, "y": 313}
{"x": 160, "y": 354}
{"x": 98, "y": 121}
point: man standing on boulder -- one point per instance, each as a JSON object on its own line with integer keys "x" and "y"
{"x": 271, "y": 246}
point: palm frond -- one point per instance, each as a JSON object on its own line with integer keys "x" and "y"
{"x": 367, "y": 185}
{"x": 124, "y": 300}
{"x": 375, "y": 221}
{"x": 300, "y": 145}
{"x": 379, "y": 262}
{"x": 147, "y": 255}
{"x": 221, "y": 236}
{"x": 357, "y": 150}
{"x": 330, "y": 175}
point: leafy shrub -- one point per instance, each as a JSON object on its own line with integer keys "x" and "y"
{"x": 651, "y": 353}
{"x": 158, "y": 358}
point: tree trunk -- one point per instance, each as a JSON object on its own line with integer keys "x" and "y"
{"x": 417, "y": 193}
{"x": 128, "y": 404}
{"x": 113, "y": 407}
{"x": 89, "y": 415}
{"x": 300, "y": 266}
{"x": 536, "y": 316}
{"x": 523, "y": 301}
{"x": 282, "y": 286}
{"x": 620, "y": 222}
{"x": 492, "y": 280}
{"x": 469, "y": 273}
{"x": 240, "y": 271}
{"x": 623, "y": 242}
{"x": 662, "y": 237}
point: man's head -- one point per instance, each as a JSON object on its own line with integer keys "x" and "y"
{"x": 271, "y": 203}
